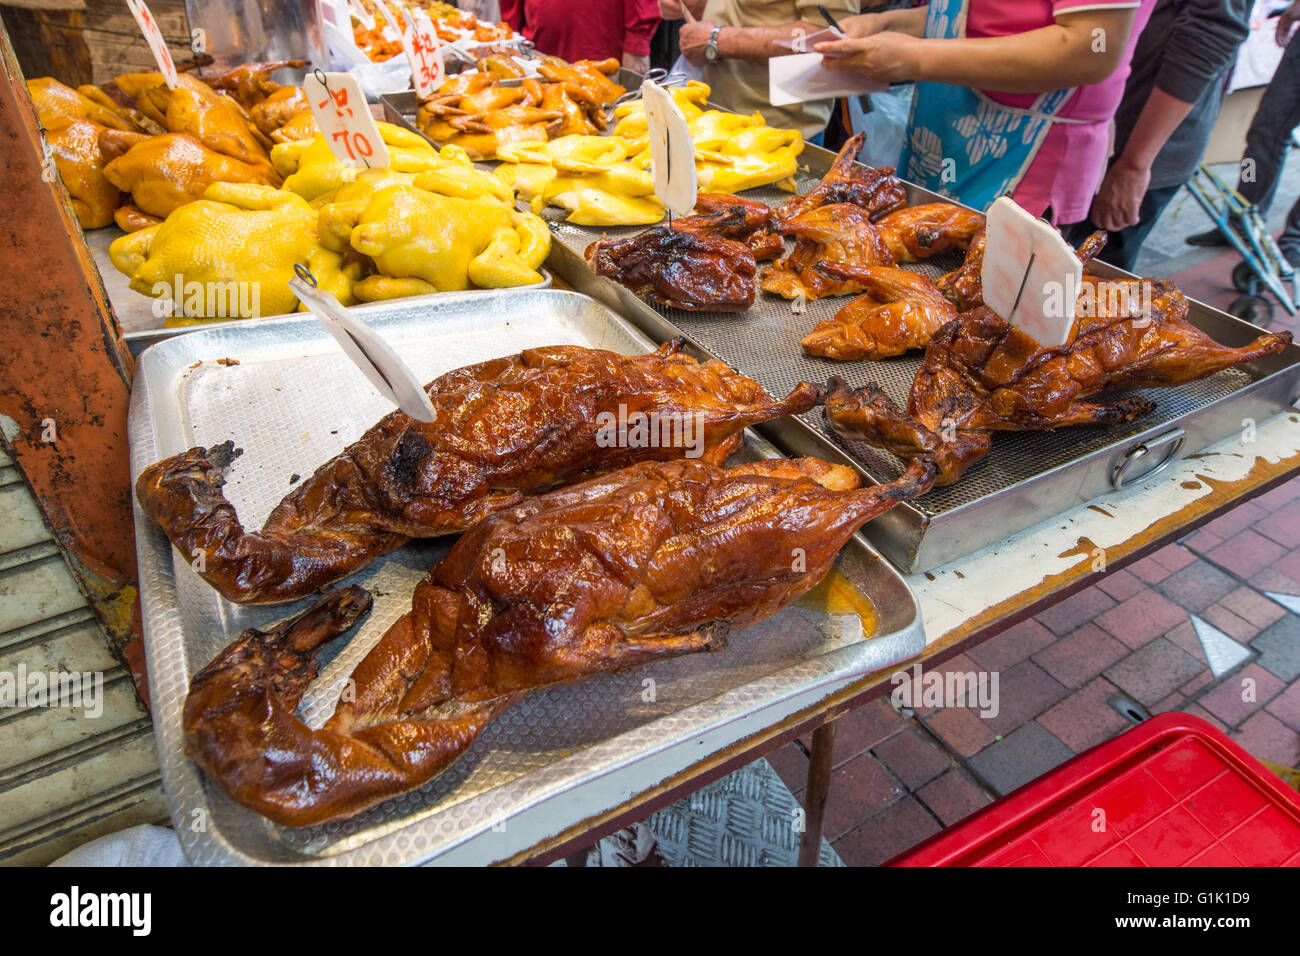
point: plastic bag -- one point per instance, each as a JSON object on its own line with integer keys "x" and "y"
{"x": 885, "y": 124}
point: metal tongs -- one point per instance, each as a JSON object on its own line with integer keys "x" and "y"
{"x": 658, "y": 75}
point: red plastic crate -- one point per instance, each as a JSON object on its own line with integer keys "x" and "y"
{"x": 1173, "y": 791}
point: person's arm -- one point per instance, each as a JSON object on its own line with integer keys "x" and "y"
{"x": 640, "y": 20}
{"x": 909, "y": 20}
{"x": 672, "y": 9}
{"x": 1079, "y": 49}
{"x": 756, "y": 44}
{"x": 1201, "y": 43}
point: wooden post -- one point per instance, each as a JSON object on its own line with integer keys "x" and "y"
{"x": 65, "y": 376}
{"x": 819, "y": 788}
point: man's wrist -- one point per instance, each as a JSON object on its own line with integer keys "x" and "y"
{"x": 725, "y": 48}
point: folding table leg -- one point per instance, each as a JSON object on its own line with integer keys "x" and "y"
{"x": 819, "y": 787}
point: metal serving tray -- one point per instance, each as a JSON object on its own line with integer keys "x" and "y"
{"x": 1028, "y": 477}
{"x": 552, "y": 754}
{"x": 141, "y": 328}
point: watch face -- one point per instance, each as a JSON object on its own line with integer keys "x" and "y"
{"x": 711, "y": 52}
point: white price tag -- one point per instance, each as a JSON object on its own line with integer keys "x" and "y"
{"x": 424, "y": 54}
{"x": 153, "y": 36}
{"x": 344, "y": 118}
{"x": 672, "y": 150}
{"x": 375, "y": 357}
{"x": 1031, "y": 276}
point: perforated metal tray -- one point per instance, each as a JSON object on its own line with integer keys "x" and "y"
{"x": 562, "y": 755}
{"x": 1028, "y": 477}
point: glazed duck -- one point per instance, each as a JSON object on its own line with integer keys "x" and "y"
{"x": 876, "y": 190}
{"x": 980, "y": 375}
{"x": 899, "y": 310}
{"x": 504, "y": 428}
{"x": 652, "y": 561}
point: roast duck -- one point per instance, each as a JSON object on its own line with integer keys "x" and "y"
{"x": 504, "y": 428}
{"x": 982, "y": 375}
{"x": 654, "y": 560}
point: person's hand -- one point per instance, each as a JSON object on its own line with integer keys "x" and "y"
{"x": 883, "y": 57}
{"x": 635, "y": 63}
{"x": 863, "y": 25}
{"x": 1117, "y": 202}
{"x": 671, "y": 10}
{"x": 693, "y": 38}
{"x": 1289, "y": 17}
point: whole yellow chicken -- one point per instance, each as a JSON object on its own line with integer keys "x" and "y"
{"x": 240, "y": 243}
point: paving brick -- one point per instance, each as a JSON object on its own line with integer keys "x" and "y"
{"x": 1174, "y": 701}
{"x": 1250, "y": 605}
{"x": 953, "y": 797}
{"x": 962, "y": 663}
{"x": 1224, "y": 700}
{"x": 1269, "y": 739}
{"x": 1279, "y": 648}
{"x": 1024, "y": 692}
{"x": 1080, "y": 656}
{"x": 1201, "y": 541}
{"x": 861, "y": 729}
{"x": 1237, "y": 628}
{"x": 1247, "y": 552}
{"x": 1141, "y": 618}
{"x": 791, "y": 765}
{"x": 1282, "y": 526}
{"x": 1196, "y": 586}
{"x": 887, "y": 834}
{"x": 1271, "y": 579}
{"x": 1153, "y": 672}
{"x": 859, "y": 789}
{"x": 913, "y": 758}
{"x": 1286, "y": 706}
{"x": 1149, "y": 570}
{"x": 1174, "y": 557}
{"x": 1023, "y": 755}
{"x": 1185, "y": 636}
{"x": 1196, "y": 710}
{"x": 1084, "y": 719}
{"x": 1280, "y": 496}
{"x": 1241, "y": 517}
{"x": 1011, "y": 646}
{"x": 1197, "y": 683}
{"x": 961, "y": 729}
{"x": 1076, "y": 610}
{"x": 1121, "y": 584}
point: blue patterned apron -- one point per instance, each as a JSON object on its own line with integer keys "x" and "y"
{"x": 961, "y": 143}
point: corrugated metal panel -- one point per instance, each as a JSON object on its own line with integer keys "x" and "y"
{"x": 68, "y": 774}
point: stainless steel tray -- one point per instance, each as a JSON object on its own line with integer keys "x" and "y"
{"x": 141, "y": 328}
{"x": 1026, "y": 479}
{"x": 557, "y": 755}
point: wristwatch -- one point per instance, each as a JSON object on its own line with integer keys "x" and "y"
{"x": 711, "y": 51}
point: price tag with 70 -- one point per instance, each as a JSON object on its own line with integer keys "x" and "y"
{"x": 423, "y": 49}
{"x": 344, "y": 119}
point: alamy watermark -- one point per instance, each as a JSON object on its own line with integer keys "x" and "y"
{"x": 37, "y": 688}
{"x": 638, "y": 429}
{"x": 914, "y": 688}
{"x": 1120, "y": 298}
{"x": 206, "y": 300}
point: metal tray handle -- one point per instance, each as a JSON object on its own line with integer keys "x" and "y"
{"x": 1176, "y": 437}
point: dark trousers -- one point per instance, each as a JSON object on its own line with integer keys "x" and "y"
{"x": 1122, "y": 247}
{"x": 1268, "y": 139}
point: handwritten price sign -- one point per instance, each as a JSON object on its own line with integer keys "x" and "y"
{"x": 153, "y": 36}
{"x": 424, "y": 53}
{"x": 344, "y": 119}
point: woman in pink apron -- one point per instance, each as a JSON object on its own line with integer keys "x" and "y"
{"x": 1013, "y": 97}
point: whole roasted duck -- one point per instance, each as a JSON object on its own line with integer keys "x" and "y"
{"x": 875, "y": 189}
{"x": 655, "y": 560}
{"x": 703, "y": 262}
{"x": 898, "y": 311}
{"x": 504, "y": 428}
{"x": 981, "y": 375}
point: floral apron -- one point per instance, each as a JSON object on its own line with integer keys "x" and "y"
{"x": 962, "y": 144}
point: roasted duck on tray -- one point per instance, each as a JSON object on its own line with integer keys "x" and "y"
{"x": 504, "y": 428}
{"x": 981, "y": 375}
{"x": 655, "y": 560}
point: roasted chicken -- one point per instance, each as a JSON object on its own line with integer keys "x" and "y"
{"x": 982, "y": 375}
{"x": 876, "y": 190}
{"x": 930, "y": 229}
{"x": 504, "y": 428}
{"x": 656, "y": 560}
{"x": 899, "y": 311}
{"x": 840, "y": 233}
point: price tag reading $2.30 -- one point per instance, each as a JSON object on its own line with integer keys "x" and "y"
{"x": 672, "y": 150}
{"x": 153, "y": 36}
{"x": 344, "y": 119}
{"x": 423, "y": 49}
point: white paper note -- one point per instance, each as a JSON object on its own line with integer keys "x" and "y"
{"x": 344, "y": 119}
{"x": 1031, "y": 276}
{"x": 672, "y": 150}
{"x": 800, "y": 77}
